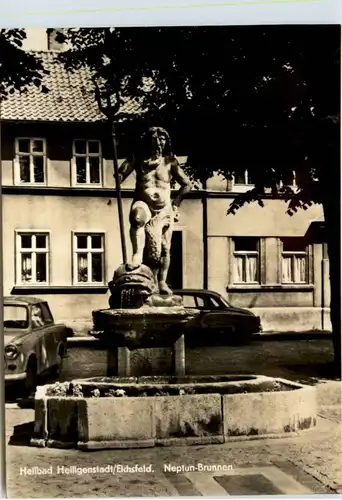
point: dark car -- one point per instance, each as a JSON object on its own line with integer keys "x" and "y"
{"x": 219, "y": 322}
{"x": 33, "y": 342}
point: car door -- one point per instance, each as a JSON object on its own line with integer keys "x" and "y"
{"x": 197, "y": 329}
{"x": 60, "y": 333}
{"x": 214, "y": 318}
{"x": 43, "y": 328}
{"x": 194, "y": 324}
{"x": 56, "y": 335}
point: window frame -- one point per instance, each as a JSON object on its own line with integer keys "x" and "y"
{"x": 241, "y": 188}
{"x": 32, "y": 250}
{"x": 86, "y": 155}
{"x": 294, "y": 184}
{"x": 21, "y": 306}
{"x": 89, "y": 251}
{"x": 245, "y": 254}
{"x": 41, "y": 324}
{"x": 30, "y": 154}
{"x": 191, "y": 296}
{"x": 293, "y": 254}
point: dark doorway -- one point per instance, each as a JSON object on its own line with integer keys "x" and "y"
{"x": 175, "y": 275}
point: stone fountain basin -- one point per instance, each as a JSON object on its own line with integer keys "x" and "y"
{"x": 147, "y": 326}
{"x": 219, "y": 409}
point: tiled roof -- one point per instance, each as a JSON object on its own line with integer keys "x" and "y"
{"x": 70, "y": 97}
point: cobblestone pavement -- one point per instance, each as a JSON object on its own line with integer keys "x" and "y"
{"x": 299, "y": 360}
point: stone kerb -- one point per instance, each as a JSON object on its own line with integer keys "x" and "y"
{"x": 146, "y": 421}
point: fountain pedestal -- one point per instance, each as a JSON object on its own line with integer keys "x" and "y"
{"x": 167, "y": 359}
{"x": 154, "y": 334}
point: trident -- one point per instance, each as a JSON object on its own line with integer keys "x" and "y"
{"x": 110, "y": 111}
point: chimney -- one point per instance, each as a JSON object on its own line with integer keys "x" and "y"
{"x": 53, "y": 44}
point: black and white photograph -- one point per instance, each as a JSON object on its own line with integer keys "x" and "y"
{"x": 170, "y": 202}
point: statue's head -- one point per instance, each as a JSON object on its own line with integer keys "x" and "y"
{"x": 157, "y": 141}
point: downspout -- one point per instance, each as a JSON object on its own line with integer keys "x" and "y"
{"x": 322, "y": 288}
{"x": 2, "y": 390}
{"x": 205, "y": 235}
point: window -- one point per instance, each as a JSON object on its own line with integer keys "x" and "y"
{"x": 246, "y": 260}
{"x": 88, "y": 258}
{"x": 15, "y": 316}
{"x": 189, "y": 301}
{"x": 87, "y": 162}
{"x": 195, "y": 301}
{"x": 32, "y": 258}
{"x": 52, "y": 42}
{"x": 46, "y": 313}
{"x": 199, "y": 302}
{"x": 289, "y": 179}
{"x": 30, "y": 160}
{"x": 243, "y": 179}
{"x": 294, "y": 260}
{"x": 37, "y": 316}
{"x": 213, "y": 303}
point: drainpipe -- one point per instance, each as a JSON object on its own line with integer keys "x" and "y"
{"x": 205, "y": 235}
{"x": 2, "y": 395}
{"x": 322, "y": 288}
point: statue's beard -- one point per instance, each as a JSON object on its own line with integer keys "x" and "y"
{"x": 157, "y": 149}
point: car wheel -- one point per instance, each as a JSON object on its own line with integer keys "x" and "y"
{"x": 57, "y": 369}
{"x": 30, "y": 384}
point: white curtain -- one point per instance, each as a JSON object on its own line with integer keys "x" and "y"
{"x": 238, "y": 269}
{"x": 26, "y": 267}
{"x": 251, "y": 268}
{"x": 246, "y": 269}
{"x": 299, "y": 269}
{"x": 287, "y": 269}
{"x": 294, "y": 269}
{"x": 82, "y": 268}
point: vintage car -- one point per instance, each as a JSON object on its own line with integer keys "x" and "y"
{"x": 218, "y": 322}
{"x": 33, "y": 343}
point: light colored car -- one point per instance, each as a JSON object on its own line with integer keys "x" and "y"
{"x": 33, "y": 342}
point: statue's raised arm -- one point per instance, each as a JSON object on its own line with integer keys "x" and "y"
{"x": 182, "y": 179}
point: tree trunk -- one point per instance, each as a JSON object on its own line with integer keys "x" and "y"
{"x": 332, "y": 223}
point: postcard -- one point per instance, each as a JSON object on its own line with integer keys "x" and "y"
{"x": 171, "y": 260}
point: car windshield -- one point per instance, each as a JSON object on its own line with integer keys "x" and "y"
{"x": 15, "y": 316}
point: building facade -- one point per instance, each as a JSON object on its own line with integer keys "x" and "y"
{"x": 61, "y": 235}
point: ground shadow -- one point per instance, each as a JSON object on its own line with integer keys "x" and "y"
{"x": 292, "y": 335}
{"x": 13, "y": 396}
{"x": 15, "y": 393}
{"x": 22, "y": 434}
{"x": 314, "y": 372}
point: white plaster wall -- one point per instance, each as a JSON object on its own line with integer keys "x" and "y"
{"x": 36, "y": 39}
